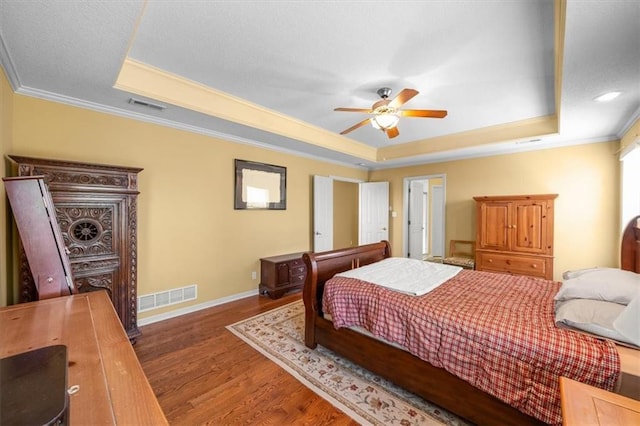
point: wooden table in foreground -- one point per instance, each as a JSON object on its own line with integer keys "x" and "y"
{"x": 113, "y": 388}
{"x": 587, "y": 405}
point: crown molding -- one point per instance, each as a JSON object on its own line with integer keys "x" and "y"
{"x": 79, "y": 103}
{"x": 9, "y": 68}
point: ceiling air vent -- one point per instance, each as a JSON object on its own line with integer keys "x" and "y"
{"x": 134, "y": 101}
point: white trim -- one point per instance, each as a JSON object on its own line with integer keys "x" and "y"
{"x": 345, "y": 179}
{"x": 630, "y": 148}
{"x": 630, "y": 122}
{"x": 195, "y": 308}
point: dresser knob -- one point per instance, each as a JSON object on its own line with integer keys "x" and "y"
{"x": 490, "y": 260}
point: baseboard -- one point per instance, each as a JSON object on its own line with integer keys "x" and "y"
{"x": 189, "y": 309}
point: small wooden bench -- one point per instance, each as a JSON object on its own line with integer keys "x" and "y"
{"x": 461, "y": 253}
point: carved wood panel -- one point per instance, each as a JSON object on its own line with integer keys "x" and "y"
{"x": 96, "y": 208}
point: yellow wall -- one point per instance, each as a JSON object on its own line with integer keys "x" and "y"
{"x": 188, "y": 231}
{"x": 6, "y": 128}
{"x": 345, "y": 214}
{"x": 584, "y": 176}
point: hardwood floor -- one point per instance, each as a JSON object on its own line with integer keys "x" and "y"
{"x": 203, "y": 374}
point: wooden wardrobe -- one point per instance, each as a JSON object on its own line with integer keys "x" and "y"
{"x": 514, "y": 234}
{"x": 96, "y": 208}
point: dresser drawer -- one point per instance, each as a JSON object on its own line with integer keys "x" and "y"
{"x": 297, "y": 270}
{"x": 297, "y": 262}
{"x": 298, "y": 279}
{"x": 512, "y": 264}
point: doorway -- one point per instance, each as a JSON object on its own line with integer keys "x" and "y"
{"x": 424, "y": 216}
{"x": 348, "y": 212}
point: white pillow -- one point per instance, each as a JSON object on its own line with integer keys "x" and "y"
{"x": 608, "y": 284}
{"x": 628, "y": 322}
{"x": 595, "y": 317}
{"x": 574, "y": 274}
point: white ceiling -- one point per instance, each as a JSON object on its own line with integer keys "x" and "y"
{"x": 488, "y": 63}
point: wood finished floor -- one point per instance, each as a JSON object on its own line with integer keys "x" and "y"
{"x": 203, "y": 374}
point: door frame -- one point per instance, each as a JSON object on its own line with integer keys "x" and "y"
{"x": 332, "y": 178}
{"x": 405, "y": 207}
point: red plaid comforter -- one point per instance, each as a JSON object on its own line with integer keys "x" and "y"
{"x": 495, "y": 331}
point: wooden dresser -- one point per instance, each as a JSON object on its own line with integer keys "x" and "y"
{"x": 280, "y": 274}
{"x": 96, "y": 208}
{"x": 111, "y": 385}
{"x": 514, "y": 234}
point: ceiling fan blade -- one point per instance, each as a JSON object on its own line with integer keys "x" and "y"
{"x": 356, "y": 126}
{"x": 432, "y": 113}
{"x": 392, "y": 132}
{"x": 353, "y": 109}
{"x": 402, "y": 98}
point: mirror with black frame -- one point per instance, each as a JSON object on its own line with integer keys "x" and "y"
{"x": 260, "y": 186}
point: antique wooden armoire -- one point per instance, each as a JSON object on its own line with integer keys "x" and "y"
{"x": 96, "y": 208}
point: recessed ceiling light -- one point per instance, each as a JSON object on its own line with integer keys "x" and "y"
{"x": 607, "y": 97}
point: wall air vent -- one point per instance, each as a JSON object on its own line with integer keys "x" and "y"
{"x": 166, "y": 298}
{"x": 134, "y": 101}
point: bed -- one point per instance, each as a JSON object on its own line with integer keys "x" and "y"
{"x": 434, "y": 384}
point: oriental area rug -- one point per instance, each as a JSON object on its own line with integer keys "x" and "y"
{"x": 365, "y": 397}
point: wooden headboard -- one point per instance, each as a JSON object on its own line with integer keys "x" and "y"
{"x": 630, "y": 246}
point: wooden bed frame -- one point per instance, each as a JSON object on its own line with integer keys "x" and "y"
{"x": 406, "y": 370}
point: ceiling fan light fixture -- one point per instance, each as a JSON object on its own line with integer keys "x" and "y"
{"x": 385, "y": 121}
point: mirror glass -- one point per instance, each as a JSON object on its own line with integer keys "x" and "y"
{"x": 260, "y": 186}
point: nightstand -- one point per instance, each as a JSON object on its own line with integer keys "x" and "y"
{"x": 587, "y": 405}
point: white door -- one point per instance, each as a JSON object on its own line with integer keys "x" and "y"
{"x": 416, "y": 219}
{"x": 374, "y": 212}
{"x": 322, "y": 213}
{"x": 437, "y": 221}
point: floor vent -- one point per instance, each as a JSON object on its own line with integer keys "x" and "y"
{"x": 166, "y": 298}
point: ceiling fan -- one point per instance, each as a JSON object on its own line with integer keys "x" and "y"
{"x": 386, "y": 113}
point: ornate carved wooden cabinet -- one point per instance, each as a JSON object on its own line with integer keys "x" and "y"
{"x": 514, "y": 234}
{"x": 96, "y": 208}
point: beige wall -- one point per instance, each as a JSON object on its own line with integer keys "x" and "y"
{"x": 345, "y": 214}
{"x": 584, "y": 176}
{"x": 188, "y": 231}
{"x": 6, "y": 128}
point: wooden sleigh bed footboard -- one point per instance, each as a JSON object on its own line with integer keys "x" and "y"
{"x": 394, "y": 364}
